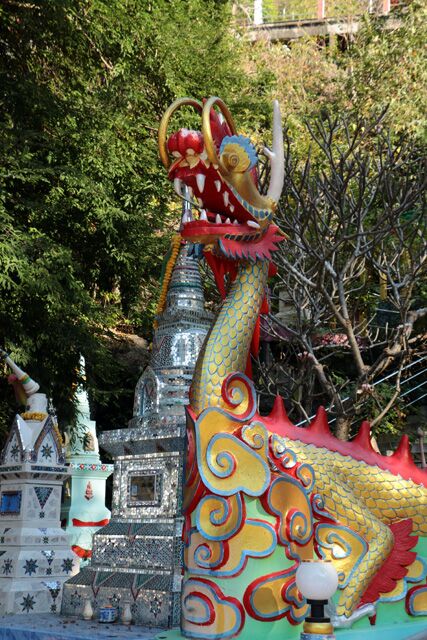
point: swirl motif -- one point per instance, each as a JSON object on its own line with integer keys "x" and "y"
{"x": 239, "y": 394}
{"x": 227, "y": 558}
{"x": 256, "y": 436}
{"x": 318, "y": 505}
{"x": 275, "y": 596}
{"x": 339, "y": 547}
{"x": 220, "y": 518}
{"x": 278, "y": 445}
{"x": 198, "y": 609}
{"x": 230, "y": 466}
{"x": 344, "y": 547}
{"x": 221, "y": 463}
{"x": 207, "y": 613}
{"x": 305, "y": 473}
{"x": 288, "y": 500}
{"x": 299, "y": 528}
{"x": 288, "y": 460}
{"x": 208, "y": 557}
{"x": 280, "y": 450}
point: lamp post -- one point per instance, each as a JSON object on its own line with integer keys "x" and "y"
{"x": 317, "y": 580}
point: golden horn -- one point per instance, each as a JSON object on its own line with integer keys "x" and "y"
{"x": 207, "y": 132}
{"x": 164, "y": 123}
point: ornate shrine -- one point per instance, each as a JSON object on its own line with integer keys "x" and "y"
{"x": 35, "y": 554}
{"x": 261, "y": 494}
{"x": 137, "y": 557}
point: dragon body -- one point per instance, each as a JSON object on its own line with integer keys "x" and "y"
{"x": 261, "y": 494}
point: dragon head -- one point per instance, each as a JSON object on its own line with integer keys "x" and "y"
{"x": 219, "y": 170}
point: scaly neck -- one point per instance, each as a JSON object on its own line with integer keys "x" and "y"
{"x": 226, "y": 347}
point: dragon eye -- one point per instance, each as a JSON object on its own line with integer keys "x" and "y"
{"x": 233, "y": 160}
{"x": 239, "y": 146}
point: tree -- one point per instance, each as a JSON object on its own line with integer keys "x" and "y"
{"x": 85, "y": 209}
{"x": 387, "y": 69}
{"x": 355, "y": 225}
{"x": 374, "y": 69}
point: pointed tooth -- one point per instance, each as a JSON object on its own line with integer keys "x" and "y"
{"x": 177, "y": 185}
{"x": 217, "y": 184}
{"x": 236, "y": 224}
{"x": 203, "y": 215}
{"x": 226, "y": 198}
{"x": 252, "y": 223}
{"x": 228, "y": 221}
{"x": 200, "y": 179}
{"x": 184, "y": 218}
{"x": 221, "y": 118}
{"x": 231, "y": 207}
{"x": 218, "y": 219}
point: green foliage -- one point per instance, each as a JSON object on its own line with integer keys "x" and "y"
{"x": 383, "y": 65}
{"x": 84, "y": 208}
{"x": 389, "y": 69}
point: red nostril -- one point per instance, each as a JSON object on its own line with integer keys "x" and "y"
{"x": 172, "y": 143}
{"x": 185, "y": 142}
{"x": 189, "y": 140}
{"x": 195, "y": 141}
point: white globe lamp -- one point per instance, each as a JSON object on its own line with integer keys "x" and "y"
{"x": 317, "y": 580}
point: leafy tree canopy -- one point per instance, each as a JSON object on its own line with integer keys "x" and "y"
{"x": 85, "y": 209}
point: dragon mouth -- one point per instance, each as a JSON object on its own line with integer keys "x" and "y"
{"x": 211, "y": 190}
{"x": 206, "y": 231}
{"x": 220, "y": 218}
{"x": 222, "y": 211}
{"x": 232, "y": 217}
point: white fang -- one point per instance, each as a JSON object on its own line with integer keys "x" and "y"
{"x": 200, "y": 179}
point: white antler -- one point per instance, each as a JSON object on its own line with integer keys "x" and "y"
{"x": 276, "y": 156}
{"x": 29, "y": 385}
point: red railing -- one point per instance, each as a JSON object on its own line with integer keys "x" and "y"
{"x": 258, "y": 12}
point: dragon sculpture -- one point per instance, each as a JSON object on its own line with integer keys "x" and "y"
{"x": 260, "y": 493}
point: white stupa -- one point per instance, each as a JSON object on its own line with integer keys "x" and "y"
{"x": 35, "y": 554}
{"x": 84, "y": 509}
